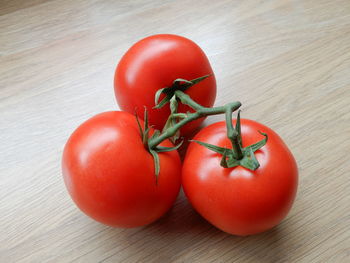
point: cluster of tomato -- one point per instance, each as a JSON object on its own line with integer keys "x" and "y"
{"x": 110, "y": 174}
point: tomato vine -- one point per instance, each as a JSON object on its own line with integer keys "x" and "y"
{"x": 231, "y": 157}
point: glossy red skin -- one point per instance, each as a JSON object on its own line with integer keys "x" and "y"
{"x": 110, "y": 175}
{"x": 237, "y": 200}
{"x": 154, "y": 63}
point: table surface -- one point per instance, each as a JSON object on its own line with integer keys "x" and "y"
{"x": 288, "y": 62}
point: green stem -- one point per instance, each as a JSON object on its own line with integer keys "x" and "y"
{"x": 233, "y": 135}
{"x": 200, "y": 112}
{"x": 237, "y": 156}
{"x": 185, "y": 99}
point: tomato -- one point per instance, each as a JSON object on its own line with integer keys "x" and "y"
{"x": 154, "y": 63}
{"x": 111, "y": 176}
{"x": 237, "y": 200}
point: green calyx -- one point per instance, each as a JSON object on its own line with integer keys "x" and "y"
{"x": 178, "y": 84}
{"x": 145, "y": 136}
{"x": 237, "y": 155}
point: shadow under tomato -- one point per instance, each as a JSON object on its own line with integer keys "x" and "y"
{"x": 187, "y": 233}
{"x": 182, "y": 234}
{"x": 181, "y": 218}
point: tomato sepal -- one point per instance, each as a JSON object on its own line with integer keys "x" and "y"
{"x": 230, "y": 158}
{"x": 161, "y": 149}
{"x": 156, "y": 163}
{"x": 154, "y": 151}
{"x": 178, "y": 84}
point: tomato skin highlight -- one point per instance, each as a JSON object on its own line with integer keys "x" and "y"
{"x": 154, "y": 63}
{"x": 237, "y": 200}
{"x": 110, "y": 175}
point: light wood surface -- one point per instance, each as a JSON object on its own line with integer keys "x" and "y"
{"x": 288, "y": 62}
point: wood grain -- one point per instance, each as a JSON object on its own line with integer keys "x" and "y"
{"x": 288, "y": 62}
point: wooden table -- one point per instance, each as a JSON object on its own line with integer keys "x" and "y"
{"x": 288, "y": 62}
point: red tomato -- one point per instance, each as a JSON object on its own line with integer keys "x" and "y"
{"x": 154, "y": 63}
{"x": 111, "y": 176}
{"x": 237, "y": 200}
